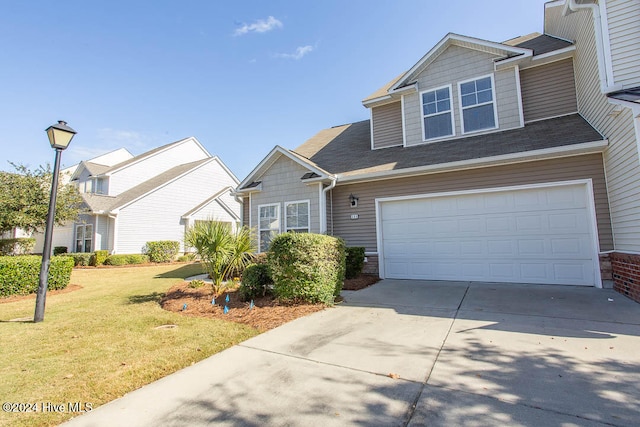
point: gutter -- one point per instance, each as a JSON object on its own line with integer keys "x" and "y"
{"x": 606, "y": 80}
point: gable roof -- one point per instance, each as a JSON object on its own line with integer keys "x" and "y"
{"x": 346, "y": 150}
{"x": 252, "y": 180}
{"x": 150, "y": 153}
{"x": 215, "y": 198}
{"x": 523, "y": 47}
{"x": 98, "y": 203}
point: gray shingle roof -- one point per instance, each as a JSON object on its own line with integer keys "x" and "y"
{"x": 346, "y": 150}
{"x": 97, "y": 202}
{"x": 544, "y": 44}
{"x": 141, "y": 156}
{"x": 95, "y": 168}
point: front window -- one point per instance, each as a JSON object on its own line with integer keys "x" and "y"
{"x": 437, "y": 116}
{"x": 297, "y": 216}
{"x": 268, "y": 224}
{"x": 84, "y": 237}
{"x": 478, "y": 106}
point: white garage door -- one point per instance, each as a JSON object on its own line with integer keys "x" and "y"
{"x": 540, "y": 235}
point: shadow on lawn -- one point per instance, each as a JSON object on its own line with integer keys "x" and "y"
{"x": 181, "y": 272}
{"x": 152, "y": 297}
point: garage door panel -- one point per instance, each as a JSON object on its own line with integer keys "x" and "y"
{"x": 534, "y": 236}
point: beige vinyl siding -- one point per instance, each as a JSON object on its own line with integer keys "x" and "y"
{"x": 387, "y": 125}
{"x": 621, "y": 157}
{"x": 362, "y": 231}
{"x": 457, "y": 64}
{"x": 245, "y": 211}
{"x": 623, "y": 19}
{"x": 548, "y": 90}
{"x": 281, "y": 183}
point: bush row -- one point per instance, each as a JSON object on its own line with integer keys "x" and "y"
{"x": 19, "y": 275}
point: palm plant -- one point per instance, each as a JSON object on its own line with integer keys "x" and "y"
{"x": 221, "y": 250}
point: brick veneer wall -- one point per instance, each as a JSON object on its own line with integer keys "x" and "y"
{"x": 626, "y": 274}
{"x": 371, "y": 266}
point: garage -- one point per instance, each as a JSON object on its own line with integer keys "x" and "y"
{"x": 541, "y": 234}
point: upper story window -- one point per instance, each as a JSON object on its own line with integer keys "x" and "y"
{"x": 100, "y": 186}
{"x": 477, "y": 101}
{"x": 297, "y": 216}
{"x": 437, "y": 117}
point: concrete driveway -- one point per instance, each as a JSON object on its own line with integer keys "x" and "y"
{"x": 416, "y": 353}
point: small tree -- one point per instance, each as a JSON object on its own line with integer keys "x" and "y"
{"x": 221, "y": 250}
{"x": 24, "y": 199}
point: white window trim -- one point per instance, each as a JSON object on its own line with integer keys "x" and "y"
{"x": 494, "y": 102}
{"x": 284, "y": 217}
{"x": 81, "y": 231}
{"x": 422, "y": 115}
{"x": 277, "y": 205}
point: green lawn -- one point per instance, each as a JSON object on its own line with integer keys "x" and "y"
{"x": 99, "y": 342}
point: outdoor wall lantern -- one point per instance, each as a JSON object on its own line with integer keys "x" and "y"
{"x": 60, "y": 135}
{"x": 353, "y": 200}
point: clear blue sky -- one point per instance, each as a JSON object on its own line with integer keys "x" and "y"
{"x": 241, "y": 76}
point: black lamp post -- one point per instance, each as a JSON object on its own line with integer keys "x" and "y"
{"x": 60, "y": 136}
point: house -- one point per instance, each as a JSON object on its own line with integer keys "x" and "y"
{"x": 157, "y": 195}
{"x": 503, "y": 162}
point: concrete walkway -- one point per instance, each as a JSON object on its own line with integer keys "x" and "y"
{"x": 416, "y": 353}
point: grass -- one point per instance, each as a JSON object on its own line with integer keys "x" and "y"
{"x": 100, "y": 342}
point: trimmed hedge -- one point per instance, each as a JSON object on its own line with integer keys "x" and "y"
{"x": 126, "y": 259}
{"x": 19, "y": 275}
{"x": 354, "y": 262}
{"x": 98, "y": 257}
{"x": 80, "y": 259}
{"x": 59, "y": 250}
{"x": 162, "y": 250}
{"x": 255, "y": 281}
{"x": 307, "y": 267}
{"x": 17, "y": 246}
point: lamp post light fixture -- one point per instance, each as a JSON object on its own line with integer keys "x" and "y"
{"x": 60, "y": 135}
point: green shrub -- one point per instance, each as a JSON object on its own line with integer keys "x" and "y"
{"x": 306, "y": 267}
{"x": 80, "y": 259}
{"x": 98, "y": 257}
{"x": 18, "y": 246}
{"x": 255, "y": 281}
{"x": 354, "y": 262}
{"x": 186, "y": 257}
{"x": 126, "y": 259}
{"x": 195, "y": 284}
{"x": 19, "y": 275}
{"x": 59, "y": 250}
{"x": 162, "y": 250}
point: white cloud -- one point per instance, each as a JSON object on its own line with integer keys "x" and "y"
{"x": 299, "y": 53}
{"x": 259, "y": 26}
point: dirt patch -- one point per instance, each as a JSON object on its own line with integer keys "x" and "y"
{"x": 13, "y": 298}
{"x": 266, "y": 313}
{"x": 360, "y": 282}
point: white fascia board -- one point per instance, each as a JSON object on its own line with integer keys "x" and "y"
{"x": 543, "y": 154}
{"x": 376, "y": 100}
{"x": 270, "y": 159}
{"x": 452, "y": 38}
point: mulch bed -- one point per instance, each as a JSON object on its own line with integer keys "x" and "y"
{"x": 267, "y": 313}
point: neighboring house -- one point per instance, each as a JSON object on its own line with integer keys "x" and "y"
{"x": 502, "y": 162}
{"x": 156, "y": 195}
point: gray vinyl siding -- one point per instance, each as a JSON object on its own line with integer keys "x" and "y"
{"x": 621, "y": 159}
{"x": 245, "y": 211}
{"x": 623, "y": 19}
{"x": 548, "y": 90}
{"x": 362, "y": 231}
{"x": 454, "y": 65}
{"x": 387, "y": 125}
{"x": 281, "y": 183}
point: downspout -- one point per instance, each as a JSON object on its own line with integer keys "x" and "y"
{"x": 323, "y": 204}
{"x": 571, "y": 6}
